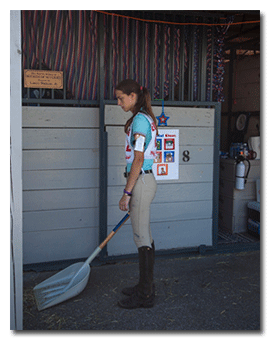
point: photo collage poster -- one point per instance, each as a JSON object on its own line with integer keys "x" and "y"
{"x": 166, "y": 164}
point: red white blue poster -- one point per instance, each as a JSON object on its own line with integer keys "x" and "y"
{"x": 166, "y": 164}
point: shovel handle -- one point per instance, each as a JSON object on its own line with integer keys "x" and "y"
{"x": 115, "y": 229}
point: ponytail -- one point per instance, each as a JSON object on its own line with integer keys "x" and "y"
{"x": 143, "y": 99}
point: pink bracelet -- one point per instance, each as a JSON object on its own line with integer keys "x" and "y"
{"x": 127, "y": 193}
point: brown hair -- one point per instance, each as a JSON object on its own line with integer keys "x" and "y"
{"x": 128, "y": 86}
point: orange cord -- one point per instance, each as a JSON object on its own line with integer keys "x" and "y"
{"x": 179, "y": 23}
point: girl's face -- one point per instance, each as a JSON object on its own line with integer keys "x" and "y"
{"x": 127, "y": 102}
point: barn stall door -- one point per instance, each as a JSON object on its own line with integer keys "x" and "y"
{"x": 60, "y": 183}
{"x": 181, "y": 213}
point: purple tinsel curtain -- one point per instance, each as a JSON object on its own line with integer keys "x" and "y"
{"x": 68, "y": 41}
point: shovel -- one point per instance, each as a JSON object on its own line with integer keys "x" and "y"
{"x": 70, "y": 281}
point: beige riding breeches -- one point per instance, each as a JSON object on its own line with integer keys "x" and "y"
{"x": 143, "y": 194}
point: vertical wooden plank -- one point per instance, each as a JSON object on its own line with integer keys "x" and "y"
{"x": 103, "y": 168}
{"x": 16, "y": 317}
{"x": 216, "y": 172}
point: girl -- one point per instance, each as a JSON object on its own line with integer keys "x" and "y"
{"x": 140, "y": 189}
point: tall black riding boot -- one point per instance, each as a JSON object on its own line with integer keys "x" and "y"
{"x": 144, "y": 295}
{"x": 130, "y": 290}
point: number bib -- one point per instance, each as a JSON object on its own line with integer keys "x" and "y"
{"x": 151, "y": 151}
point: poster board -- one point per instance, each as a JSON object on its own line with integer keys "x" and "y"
{"x": 166, "y": 164}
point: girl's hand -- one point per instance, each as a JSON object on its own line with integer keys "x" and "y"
{"x": 124, "y": 202}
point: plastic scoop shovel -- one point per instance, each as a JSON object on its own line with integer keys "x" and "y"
{"x": 70, "y": 281}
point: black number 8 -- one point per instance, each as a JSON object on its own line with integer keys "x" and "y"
{"x": 186, "y": 157}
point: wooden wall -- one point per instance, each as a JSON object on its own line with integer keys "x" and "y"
{"x": 181, "y": 213}
{"x": 60, "y": 183}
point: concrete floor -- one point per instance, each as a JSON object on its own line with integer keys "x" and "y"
{"x": 217, "y": 292}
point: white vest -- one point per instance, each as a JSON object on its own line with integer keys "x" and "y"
{"x": 151, "y": 151}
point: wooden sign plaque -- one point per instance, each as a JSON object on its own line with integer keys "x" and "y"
{"x": 43, "y": 79}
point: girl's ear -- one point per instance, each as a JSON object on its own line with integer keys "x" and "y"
{"x": 133, "y": 95}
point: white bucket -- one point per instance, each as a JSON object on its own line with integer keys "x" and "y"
{"x": 254, "y": 143}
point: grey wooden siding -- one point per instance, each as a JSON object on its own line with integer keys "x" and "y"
{"x": 60, "y": 183}
{"x": 181, "y": 213}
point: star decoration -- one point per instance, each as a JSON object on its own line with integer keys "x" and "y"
{"x": 162, "y": 120}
